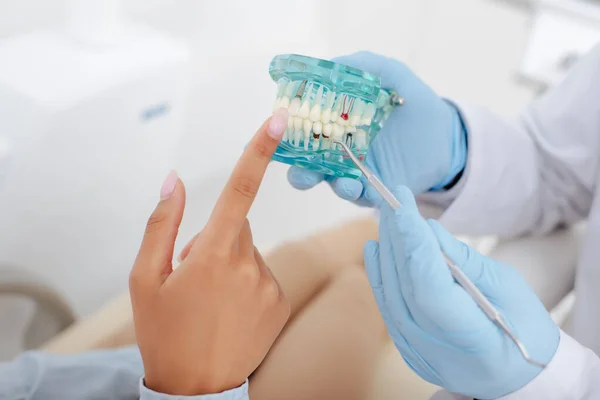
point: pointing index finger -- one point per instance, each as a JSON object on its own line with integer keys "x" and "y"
{"x": 239, "y": 193}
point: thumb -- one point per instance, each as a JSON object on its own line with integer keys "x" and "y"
{"x": 347, "y": 188}
{"x": 481, "y": 270}
{"x": 154, "y": 260}
{"x": 373, "y": 269}
{"x": 303, "y": 179}
{"x": 371, "y": 258}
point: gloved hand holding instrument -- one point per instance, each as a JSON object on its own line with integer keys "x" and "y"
{"x": 441, "y": 304}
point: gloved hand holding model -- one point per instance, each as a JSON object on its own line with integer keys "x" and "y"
{"x": 437, "y": 327}
{"x": 422, "y": 145}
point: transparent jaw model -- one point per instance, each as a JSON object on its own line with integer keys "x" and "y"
{"x": 328, "y": 102}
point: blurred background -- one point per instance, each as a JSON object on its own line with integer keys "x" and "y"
{"x": 100, "y": 99}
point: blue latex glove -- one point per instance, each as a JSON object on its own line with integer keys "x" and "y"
{"x": 439, "y": 330}
{"x": 422, "y": 145}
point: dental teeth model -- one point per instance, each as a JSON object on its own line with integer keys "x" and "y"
{"x": 328, "y": 102}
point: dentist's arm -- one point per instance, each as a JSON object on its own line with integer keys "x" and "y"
{"x": 534, "y": 173}
{"x": 445, "y": 337}
{"x": 505, "y": 177}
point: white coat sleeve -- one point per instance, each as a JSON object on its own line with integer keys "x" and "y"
{"x": 573, "y": 374}
{"x": 532, "y": 174}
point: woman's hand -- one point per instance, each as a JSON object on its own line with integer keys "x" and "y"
{"x": 204, "y": 327}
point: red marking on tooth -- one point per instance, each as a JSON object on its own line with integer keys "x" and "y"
{"x": 344, "y": 114}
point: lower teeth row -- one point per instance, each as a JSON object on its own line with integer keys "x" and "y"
{"x": 318, "y": 136}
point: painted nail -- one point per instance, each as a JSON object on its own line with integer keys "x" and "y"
{"x": 168, "y": 185}
{"x": 278, "y": 124}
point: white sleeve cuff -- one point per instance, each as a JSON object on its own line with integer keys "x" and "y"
{"x": 496, "y": 192}
{"x": 573, "y": 374}
{"x": 240, "y": 393}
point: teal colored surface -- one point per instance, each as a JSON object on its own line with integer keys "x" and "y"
{"x": 344, "y": 81}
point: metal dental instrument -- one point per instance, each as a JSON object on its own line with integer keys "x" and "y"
{"x": 456, "y": 272}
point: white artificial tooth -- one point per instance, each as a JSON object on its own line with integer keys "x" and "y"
{"x": 330, "y": 99}
{"x": 315, "y": 112}
{"x": 338, "y": 131}
{"x": 367, "y": 115}
{"x": 290, "y": 129}
{"x": 327, "y": 130}
{"x": 342, "y": 121}
{"x": 284, "y": 102}
{"x": 294, "y": 106}
{"x": 297, "y": 124}
{"x": 360, "y": 139}
{"x": 326, "y": 116}
{"x": 289, "y": 89}
{"x": 319, "y": 95}
{"x": 369, "y": 111}
{"x": 337, "y": 108}
{"x": 297, "y": 131}
{"x": 315, "y": 144}
{"x": 350, "y": 129}
{"x": 297, "y": 137}
{"x": 317, "y": 128}
{"x": 304, "y": 110}
{"x": 307, "y": 127}
{"x": 357, "y": 111}
{"x": 326, "y": 113}
{"x": 281, "y": 86}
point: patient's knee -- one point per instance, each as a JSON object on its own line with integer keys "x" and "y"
{"x": 350, "y": 289}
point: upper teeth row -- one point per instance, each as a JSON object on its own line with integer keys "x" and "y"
{"x": 322, "y": 105}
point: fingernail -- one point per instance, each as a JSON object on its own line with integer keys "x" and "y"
{"x": 278, "y": 124}
{"x": 168, "y": 185}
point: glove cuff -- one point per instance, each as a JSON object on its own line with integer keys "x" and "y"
{"x": 458, "y": 158}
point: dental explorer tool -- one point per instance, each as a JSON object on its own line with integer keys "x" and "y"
{"x": 456, "y": 272}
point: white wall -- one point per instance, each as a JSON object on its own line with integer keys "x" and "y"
{"x": 466, "y": 49}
